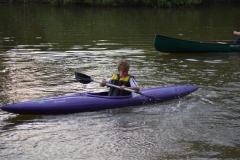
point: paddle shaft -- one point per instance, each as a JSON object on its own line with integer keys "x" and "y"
{"x": 85, "y": 79}
{"x": 112, "y": 85}
{"x": 127, "y": 89}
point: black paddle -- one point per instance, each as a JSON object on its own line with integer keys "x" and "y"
{"x": 85, "y": 79}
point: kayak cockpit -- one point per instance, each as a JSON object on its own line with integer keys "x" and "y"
{"x": 105, "y": 95}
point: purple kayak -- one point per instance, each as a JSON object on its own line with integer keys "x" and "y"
{"x": 86, "y": 102}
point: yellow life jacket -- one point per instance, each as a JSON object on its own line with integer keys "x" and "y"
{"x": 116, "y": 80}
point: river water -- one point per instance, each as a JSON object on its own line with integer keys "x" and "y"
{"x": 41, "y": 47}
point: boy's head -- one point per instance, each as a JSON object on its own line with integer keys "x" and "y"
{"x": 123, "y": 67}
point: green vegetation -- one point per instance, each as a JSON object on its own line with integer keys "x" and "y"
{"x": 120, "y": 3}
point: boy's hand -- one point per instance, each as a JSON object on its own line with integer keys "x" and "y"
{"x": 103, "y": 83}
{"x": 122, "y": 87}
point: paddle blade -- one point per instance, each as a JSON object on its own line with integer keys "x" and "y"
{"x": 82, "y": 78}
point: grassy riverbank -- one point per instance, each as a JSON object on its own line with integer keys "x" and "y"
{"x": 124, "y": 3}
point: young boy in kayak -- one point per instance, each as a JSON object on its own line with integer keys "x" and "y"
{"x": 237, "y": 41}
{"x": 123, "y": 79}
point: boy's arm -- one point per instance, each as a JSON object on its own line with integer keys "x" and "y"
{"x": 134, "y": 85}
{"x": 236, "y": 33}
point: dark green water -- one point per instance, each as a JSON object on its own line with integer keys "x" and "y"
{"x": 41, "y": 46}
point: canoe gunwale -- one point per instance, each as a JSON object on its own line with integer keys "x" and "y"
{"x": 204, "y": 41}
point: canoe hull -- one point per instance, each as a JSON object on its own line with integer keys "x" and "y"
{"x": 174, "y": 45}
{"x": 85, "y": 102}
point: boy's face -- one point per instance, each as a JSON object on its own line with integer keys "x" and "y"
{"x": 123, "y": 73}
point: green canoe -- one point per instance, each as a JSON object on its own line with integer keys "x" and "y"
{"x": 174, "y": 45}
